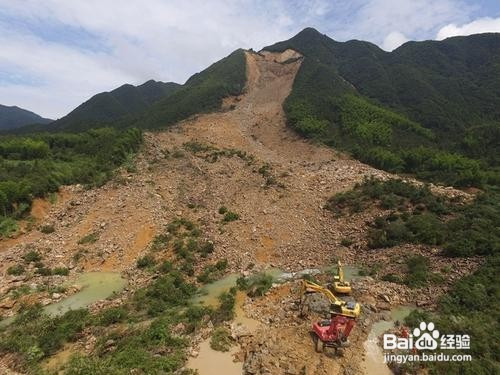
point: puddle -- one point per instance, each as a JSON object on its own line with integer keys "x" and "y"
{"x": 95, "y": 286}
{"x": 210, "y": 361}
{"x": 209, "y": 294}
{"x": 374, "y": 356}
{"x": 350, "y": 272}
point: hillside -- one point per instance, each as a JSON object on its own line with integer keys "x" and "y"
{"x": 15, "y": 117}
{"x": 384, "y": 106}
{"x": 203, "y": 92}
{"x": 107, "y": 107}
{"x": 110, "y": 238}
{"x": 229, "y": 191}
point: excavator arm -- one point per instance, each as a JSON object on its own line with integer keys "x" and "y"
{"x": 341, "y": 307}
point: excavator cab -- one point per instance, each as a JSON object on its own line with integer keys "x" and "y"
{"x": 332, "y": 333}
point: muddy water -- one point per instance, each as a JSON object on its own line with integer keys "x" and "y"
{"x": 209, "y": 294}
{"x": 95, "y": 286}
{"x": 210, "y": 361}
{"x": 374, "y": 356}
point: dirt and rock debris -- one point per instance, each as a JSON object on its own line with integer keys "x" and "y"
{"x": 243, "y": 158}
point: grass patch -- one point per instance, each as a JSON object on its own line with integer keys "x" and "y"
{"x": 15, "y": 270}
{"x": 88, "y": 239}
{"x": 221, "y": 339}
{"x": 230, "y": 216}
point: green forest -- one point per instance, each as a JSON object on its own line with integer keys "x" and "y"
{"x": 35, "y": 165}
{"x": 404, "y": 111}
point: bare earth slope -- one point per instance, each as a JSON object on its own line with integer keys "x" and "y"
{"x": 278, "y": 186}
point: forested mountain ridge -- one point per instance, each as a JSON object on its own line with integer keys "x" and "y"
{"x": 126, "y": 100}
{"x": 12, "y": 117}
{"x": 395, "y": 110}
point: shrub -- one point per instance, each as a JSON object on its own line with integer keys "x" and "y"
{"x": 206, "y": 248}
{"x": 44, "y": 271}
{"x": 47, "y": 228}
{"x": 112, "y": 315}
{"x": 146, "y": 261}
{"x": 221, "y": 339}
{"x": 418, "y": 271}
{"x": 61, "y": 271}
{"x": 7, "y": 225}
{"x": 15, "y": 270}
{"x": 212, "y": 272}
{"x": 32, "y": 256}
{"x": 166, "y": 291}
{"x": 222, "y": 210}
{"x": 230, "y": 216}
{"x": 166, "y": 267}
{"x": 391, "y": 278}
{"x": 225, "y": 311}
{"x": 346, "y": 242}
{"x": 258, "y": 284}
{"x": 88, "y": 239}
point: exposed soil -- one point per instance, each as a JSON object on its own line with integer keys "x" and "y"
{"x": 281, "y": 223}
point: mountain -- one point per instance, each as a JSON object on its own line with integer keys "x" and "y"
{"x": 157, "y": 104}
{"x": 126, "y": 100}
{"x": 202, "y": 92}
{"x": 15, "y": 117}
{"x": 396, "y": 109}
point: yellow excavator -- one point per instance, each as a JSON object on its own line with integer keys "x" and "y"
{"x": 339, "y": 285}
{"x": 340, "y": 307}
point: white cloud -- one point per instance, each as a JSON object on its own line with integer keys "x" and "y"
{"x": 481, "y": 25}
{"x": 169, "y": 40}
{"x": 394, "y": 40}
{"x": 374, "y": 20}
{"x": 163, "y": 40}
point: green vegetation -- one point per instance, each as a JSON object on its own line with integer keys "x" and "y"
{"x": 460, "y": 229}
{"x": 424, "y": 109}
{"x": 16, "y": 270}
{"x": 230, "y": 216}
{"x": 418, "y": 216}
{"x": 15, "y": 117}
{"x": 221, "y": 339}
{"x": 36, "y": 165}
{"x": 213, "y": 154}
{"x": 418, "y": 273}
{"x": 225, "y": 311}
{"x": 203, "y": 92}
{"x": 88, "y": 239}
{"x": 35, "y": 336}
{"x": 346, "y": 242}
{"x": 469, "y": 308}
{"x": 256, "y": 285}
{"x": 61, "y": 271}
{"x": 146, "y": 261}
{"x": 32, "y": 256}
{"x": 120, "y": 104}
{"x": 212, "y": 272}
{"x": 47, "y": 229}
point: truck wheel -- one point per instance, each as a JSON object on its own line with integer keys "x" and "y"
{"x": 318, "y": 344}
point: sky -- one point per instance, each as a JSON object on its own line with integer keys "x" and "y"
{"x": 55, "y": 54}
